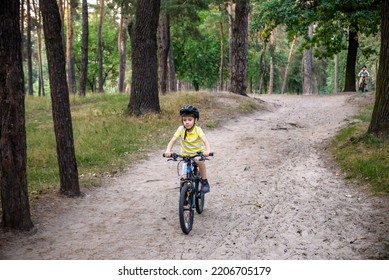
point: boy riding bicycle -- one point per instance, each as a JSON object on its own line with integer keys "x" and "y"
{"x": 363, "y": 75}
{"x": 192, "y": 139}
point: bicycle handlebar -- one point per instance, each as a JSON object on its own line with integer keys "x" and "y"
{"x": 174, "y": 156}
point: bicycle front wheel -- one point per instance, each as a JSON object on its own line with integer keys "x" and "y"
{"x": 185, "y": 210}
{"x": 200, "y": 199}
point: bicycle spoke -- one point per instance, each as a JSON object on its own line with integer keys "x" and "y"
{"x": 186, "y": 212}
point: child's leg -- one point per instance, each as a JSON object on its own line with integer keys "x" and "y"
{"x": 203, "y": 174}
{"x": 183, "y": 170}
{"x": 203, "y": 170}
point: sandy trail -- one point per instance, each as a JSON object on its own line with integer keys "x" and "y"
{"x": 274, "y": 195}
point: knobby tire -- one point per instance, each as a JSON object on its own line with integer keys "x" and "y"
{"x": 200, "y": 199}
{"x": 362, "y": 86}
{"x": 185, "y": 210}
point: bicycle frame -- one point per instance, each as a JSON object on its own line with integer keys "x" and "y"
{"x": 363, "y": 83}
{"x": 192, "y": 177}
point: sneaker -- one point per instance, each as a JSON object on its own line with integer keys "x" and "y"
{"x": 205, "y": 186}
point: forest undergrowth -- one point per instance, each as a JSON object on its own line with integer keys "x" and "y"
{"x": 363, "y": 157}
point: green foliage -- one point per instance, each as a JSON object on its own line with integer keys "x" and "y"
{"x": 197, "y": 50}
{"x": 365, "y": 113}
{"x": 184, "y": 8}
{"x": 330, "y": 71}
{"x": 196, "y": 40}
{"x": 332, "y": 19}
{"x": 281, "y": 52}
{"x": 110, "y": 50}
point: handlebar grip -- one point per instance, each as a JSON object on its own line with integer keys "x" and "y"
{"x": 172, "y": 155}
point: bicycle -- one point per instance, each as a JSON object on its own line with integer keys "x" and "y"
{"x": 191, "y": 196}
{"x": 363, "y": 84}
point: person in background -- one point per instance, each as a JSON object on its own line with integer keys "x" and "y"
{"x": 363, "y": 74}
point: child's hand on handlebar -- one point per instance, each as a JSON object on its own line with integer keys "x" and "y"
{"x": 170, "y": 155}
{"x": 167, "y": 154}
{"x": 208, "y": 154}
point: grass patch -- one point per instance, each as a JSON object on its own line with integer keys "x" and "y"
{"x": 105, "y": 140}
{"x": 364, "y": 157}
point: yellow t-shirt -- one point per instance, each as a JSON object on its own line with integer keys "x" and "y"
{"x": 191, "y": 143}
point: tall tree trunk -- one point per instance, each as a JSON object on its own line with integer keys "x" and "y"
{"x": 238, "y": 68}
{"x": 13, "y": 178}
{"x": 69, "y": 47}
{"x": 172, "y": 70}
{"x": 262, "y": 65}
{"x": 308, "y": 67}
{"x": 336, "y": 74}
{"x": 144, "y": 84}
{"x": 287, "y": 65}
{"x": 272, "y": 48}
{"x": 100, "y": 48}
{"x": 230, "y": 12}
{"x": 352, "y": 51}
{"x": 60, "y": 98}
{"x": 307, "y": 70}
{"x": 84, "y": 50}
{"x": 61, "y": 6}
{"x": 22, "y": 17}
{"x": 29, "y": 50}
{"x": 163, "y": 50}
{"x": 271, "y": 75}
{"x": 379, "y": 124}
{"x": 122, "y": 45}
{"x": 221, "y": 70}
{"x": 41, "y": 90}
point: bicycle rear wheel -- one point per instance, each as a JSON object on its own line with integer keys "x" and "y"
{"x": 185, "y": 210}
{"x": 362, "y": 85}
{"x": 200, "y": 199}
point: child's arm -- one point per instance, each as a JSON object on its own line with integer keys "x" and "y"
{"x": 207, "y": 146}
{"x": 169, "y": 147}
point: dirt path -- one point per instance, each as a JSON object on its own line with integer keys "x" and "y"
{"x": 274, "y": 195}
